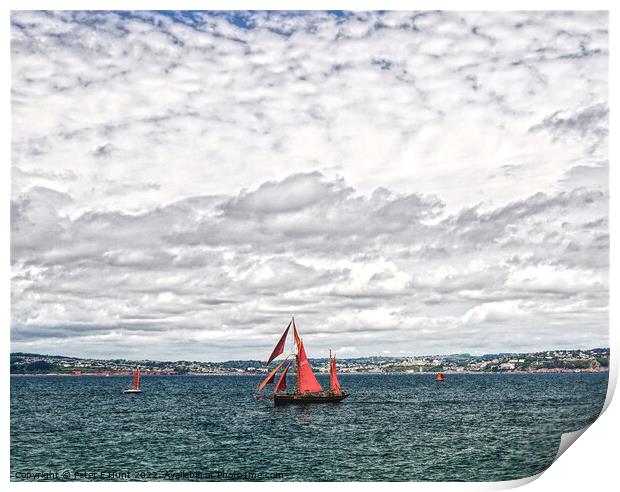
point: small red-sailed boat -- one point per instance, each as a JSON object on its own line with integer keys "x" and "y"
{"x": 440, "y": 376}
{"x": 307, "y": 389}
{"x": 136, "y": 383}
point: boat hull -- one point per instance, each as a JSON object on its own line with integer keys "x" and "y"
{"x": 302, "y": 399}
{"x": 131, "y": 392}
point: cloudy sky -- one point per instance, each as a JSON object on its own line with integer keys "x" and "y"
{"x": 404, "y": 183}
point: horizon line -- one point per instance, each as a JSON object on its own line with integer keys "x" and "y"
{"x": 314, "y": 358}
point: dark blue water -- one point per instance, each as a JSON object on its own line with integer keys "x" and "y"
{"x": 404, "y": 427}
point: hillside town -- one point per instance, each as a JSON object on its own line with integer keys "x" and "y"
{"x": 592, "y": 360}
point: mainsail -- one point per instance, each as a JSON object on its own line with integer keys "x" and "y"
{"x": 306, "y": 380}
{"x": 280, "y": 346}
{"x": 281, "y": 386}
{"x": 271, "y": 376}
{"x": 136, "y": 379}
{"x": 333, "y": 377}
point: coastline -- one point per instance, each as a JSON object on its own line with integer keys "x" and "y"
{"x": 368, "y": 373}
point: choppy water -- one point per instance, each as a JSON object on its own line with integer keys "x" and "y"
{"x": 404, "y": 427}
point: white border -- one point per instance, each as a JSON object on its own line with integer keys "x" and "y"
{"x": 589, "y": 464}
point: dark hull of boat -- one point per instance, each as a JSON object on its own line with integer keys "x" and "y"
{"x": 297, "y": 399}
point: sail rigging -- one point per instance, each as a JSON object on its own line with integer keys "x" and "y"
{"x": 271, "y": 376}
{"x": 281, "y": 386}
{"x": 307, "y": 389}
{"x": 334, "y": 384}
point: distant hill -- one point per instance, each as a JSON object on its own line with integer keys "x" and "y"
{"x": 593, "y": 359}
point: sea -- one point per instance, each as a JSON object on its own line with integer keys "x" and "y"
{"x": 409, "y": 427}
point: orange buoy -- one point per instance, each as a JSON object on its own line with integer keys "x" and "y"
{"x": 440, "y": 376}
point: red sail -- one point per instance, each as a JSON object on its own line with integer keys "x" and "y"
{"x": 136, "y": 379}
{"x": 280, "y": 346}
{"x": 281, "y": 386}
{"x": 270, "y": 377}
{"x": 306, "y": 380}
{"x": 333, "y": 377}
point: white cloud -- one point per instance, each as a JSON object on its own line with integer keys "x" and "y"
{"x": 495, "y": 312}
{"x": 431, "y": 182}
{"x": 549, "y": 278}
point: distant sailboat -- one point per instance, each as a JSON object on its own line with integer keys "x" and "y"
{"x": 307, "y": 389}
{"x": 440, "y": 376}
{"x": 136, "y": 383}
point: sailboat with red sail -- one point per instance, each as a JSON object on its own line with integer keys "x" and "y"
{"x": 307, "y": 388}
{"x": 135, "y": 388}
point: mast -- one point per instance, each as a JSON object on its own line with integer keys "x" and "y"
{"x": 297, "y": 343}
{"x": 297, "y": 372}
{"x": 329, "y": 367}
